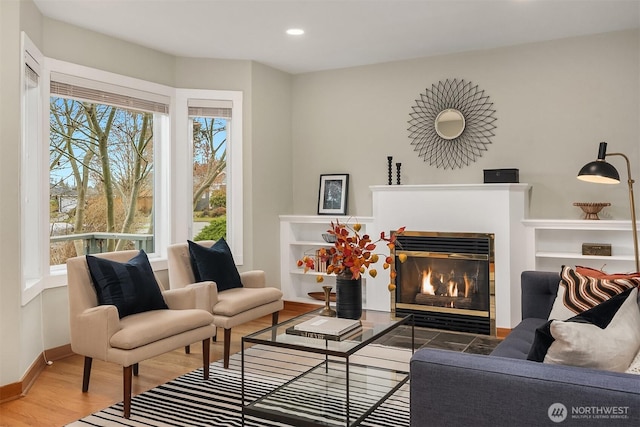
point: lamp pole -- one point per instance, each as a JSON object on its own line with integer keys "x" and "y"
{"x": 634, "y": 227}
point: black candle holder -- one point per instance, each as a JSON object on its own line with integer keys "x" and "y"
{"x": 398, "y": 173}
{"x": 390, "y": 169}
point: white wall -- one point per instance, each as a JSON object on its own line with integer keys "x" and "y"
{"x": 10, "y": 363}
{"x": 554, "y": 101}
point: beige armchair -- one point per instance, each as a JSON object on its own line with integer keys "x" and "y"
{"x": 231, "y": 307}
{"x": 98, "y": 332}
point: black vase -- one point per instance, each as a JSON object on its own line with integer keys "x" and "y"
{"x": 348, "y": 297}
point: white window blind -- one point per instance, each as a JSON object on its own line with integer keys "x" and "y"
{"x": 210, "y": 108}
{"x": 31, "y": 76}
{"x": 83, "y": 89}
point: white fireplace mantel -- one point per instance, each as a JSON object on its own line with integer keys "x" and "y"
{"x": 473, "y": 208}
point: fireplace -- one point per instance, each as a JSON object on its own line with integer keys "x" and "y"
{"x": 447, "y": 281}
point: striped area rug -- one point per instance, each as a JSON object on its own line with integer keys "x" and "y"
{"x": 190, "y": 401}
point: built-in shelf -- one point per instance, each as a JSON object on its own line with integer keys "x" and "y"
{"x": 553, "y": 243}
{"x": 302, "y": 235}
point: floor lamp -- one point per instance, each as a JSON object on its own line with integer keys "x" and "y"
{"x": 601, "y": 172}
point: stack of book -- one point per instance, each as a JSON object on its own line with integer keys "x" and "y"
{"x": 326, "y": 328}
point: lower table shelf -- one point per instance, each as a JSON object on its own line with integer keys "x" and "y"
{"x": 333, "y": 393}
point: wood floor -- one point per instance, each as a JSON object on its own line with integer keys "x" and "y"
{"x": 56, "y": 397}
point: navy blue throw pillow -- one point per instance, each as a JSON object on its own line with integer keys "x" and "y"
{"x": 130, "y": 286}
{"x": 215, "y": 264}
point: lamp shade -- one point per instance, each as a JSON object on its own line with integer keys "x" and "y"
{"x": 599, "y": 171}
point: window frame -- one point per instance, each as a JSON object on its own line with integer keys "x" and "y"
{"x": 33, "y": 202}
{"x": 183, "y": 160}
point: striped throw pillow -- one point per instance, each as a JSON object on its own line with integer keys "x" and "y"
{"x": 578, "y": 293}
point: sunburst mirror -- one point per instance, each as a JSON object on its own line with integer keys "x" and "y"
{"x": 451, "y": 124}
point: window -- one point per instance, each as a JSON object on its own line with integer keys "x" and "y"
{"x": 212, "y": 125}
{"x": 208, "y": 129}
{"x": 120, "y": 142}
{"x": 101, "y": 154}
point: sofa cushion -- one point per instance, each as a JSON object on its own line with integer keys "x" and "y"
{"x": 518, "y": 343}
{"x": 130, "y": 286}
{"x": 604, "y": 337}
{"x": 578, "y": 292}
{"x": 215, "y": 264}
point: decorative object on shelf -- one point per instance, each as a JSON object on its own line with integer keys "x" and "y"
{"x": 348, "y": 296}
{"x": 600, "y": 249}
{"x": 591, "y": 210}
{"x": 451, "y": 124}
{"x": 398, "y": 173}
{"x": 501, "y": 176}
{"x": 333, "y": 194}
{"x": 320, "y": 296}
{"x": 600, "y": 171}
{"x": 327, "y": 311}
{"x": 390, "y": 169}
{"x": 329, "y": 238}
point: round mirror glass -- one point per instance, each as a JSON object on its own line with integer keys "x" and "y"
{"x": 449, "y": 123}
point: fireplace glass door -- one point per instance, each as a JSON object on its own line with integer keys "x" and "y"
{"x": 447, "y": 280}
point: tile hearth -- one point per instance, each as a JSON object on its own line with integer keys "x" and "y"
{"x": 446, "y": 340}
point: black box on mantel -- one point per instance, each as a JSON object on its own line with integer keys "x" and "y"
{"x": 501, "y": 176}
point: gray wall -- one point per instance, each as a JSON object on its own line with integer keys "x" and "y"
{"x": 555, "y": 101}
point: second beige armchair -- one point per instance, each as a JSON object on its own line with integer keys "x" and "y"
{"x": 233, "y": 306}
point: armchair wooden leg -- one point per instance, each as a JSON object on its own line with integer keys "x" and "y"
{"x": 227, "y": 346}
{"x": 274, "y": 318}
{"x": 126, "y": 381}
{"x": 135, "y": 369}
{"x": 87, "y": 374}
{"x": 206, "y": 360}
{"x": 187, "y": 349}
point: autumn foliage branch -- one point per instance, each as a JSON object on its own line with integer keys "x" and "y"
{"x": 354, "y": 253}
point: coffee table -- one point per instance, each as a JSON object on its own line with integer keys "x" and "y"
{"x": 335, "y": 392}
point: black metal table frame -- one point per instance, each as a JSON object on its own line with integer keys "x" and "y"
{"x": 248, "y": 410}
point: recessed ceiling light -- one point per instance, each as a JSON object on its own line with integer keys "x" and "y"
{"x": 295, "y": 31}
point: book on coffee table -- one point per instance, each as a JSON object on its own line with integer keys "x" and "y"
{"x": 322, "y": 327}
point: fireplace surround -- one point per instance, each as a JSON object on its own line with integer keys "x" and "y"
{"x": 489, "y": 208}
{"x": 447, "y": 280}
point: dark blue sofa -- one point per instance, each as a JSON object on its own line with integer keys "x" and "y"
{"x": 504, "y": 389}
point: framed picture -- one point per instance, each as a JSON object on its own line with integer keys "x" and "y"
{"x": 333, "y": 194}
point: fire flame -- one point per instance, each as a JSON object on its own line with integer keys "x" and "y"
{"x": 427, "y": 287}
{"x": 452, "y": 289}
{"x": 451, "y": 286}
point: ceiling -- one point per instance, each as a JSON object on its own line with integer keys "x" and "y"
{"x": 339, "y": 33}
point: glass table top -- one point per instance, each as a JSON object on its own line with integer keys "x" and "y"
{"x": 374, "y": 325}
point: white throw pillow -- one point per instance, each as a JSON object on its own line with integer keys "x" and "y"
{"x": 580, "y": 342}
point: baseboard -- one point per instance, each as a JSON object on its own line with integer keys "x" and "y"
{"x": 502, "y": 332}
{"x": 18, "y": 389}
{"x": 301, "y": 306}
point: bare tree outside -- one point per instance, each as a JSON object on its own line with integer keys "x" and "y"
{"x": 209, "y": 177}
{"x": 101, "y": 170}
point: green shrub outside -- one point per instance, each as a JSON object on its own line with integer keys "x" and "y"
{"x": 216, "y": 229}
{"x": 218, "y": 199}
